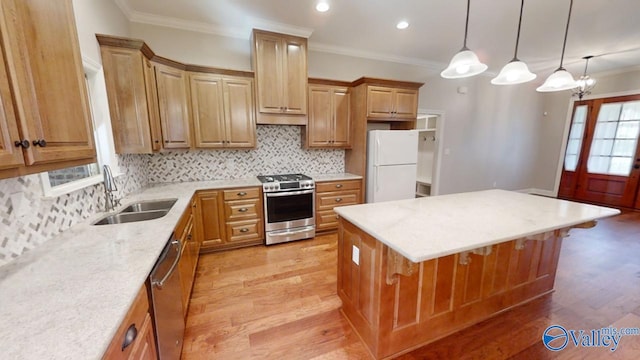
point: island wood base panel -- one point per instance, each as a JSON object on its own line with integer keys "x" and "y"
{"x": 395, "y": 313}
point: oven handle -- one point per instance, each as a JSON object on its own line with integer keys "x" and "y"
{"x": 288, "y": 193}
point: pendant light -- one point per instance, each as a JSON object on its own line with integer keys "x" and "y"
{"x": 516, "y": 71}
{"x": 585, "y": 83}
{"x": 465, "y": 63}
{"x": 561, "y": 79}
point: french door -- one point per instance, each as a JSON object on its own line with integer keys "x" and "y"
{"x": 602, "y": 160}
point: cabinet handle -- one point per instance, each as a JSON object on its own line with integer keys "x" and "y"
{"x": 23, "y": 143}
{"x": 244, "y": 230}
{"x": 338, "y": 186}
{"x": 129, "y": 336}
{"x": 189, "y": 237}
{"x": 40, "y": 142}
{"x": 242, "y": 193}
{"x": 243, "y": 210}
{"x": 338, "y": 199}
{"x": 156, "y": 141}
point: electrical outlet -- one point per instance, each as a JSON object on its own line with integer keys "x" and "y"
{"x": 355, "y": 255}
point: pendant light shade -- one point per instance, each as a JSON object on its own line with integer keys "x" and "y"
{"x": 561, "y": 79}
{"x": 465, "y": 63}
{"x": 516, "y": 71}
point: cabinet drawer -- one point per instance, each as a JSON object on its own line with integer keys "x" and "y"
{"x": 327, "y": 201}
{"x": 239, "y": 194}
{"x": 241, "y": 209}
{"x": 326, "y": 220}
{"x": 240, "y": 231}
{"x": 134, "y": 319}
{"x": 337, "y": 185}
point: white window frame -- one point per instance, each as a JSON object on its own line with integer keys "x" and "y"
{"x": 104, "y": 152}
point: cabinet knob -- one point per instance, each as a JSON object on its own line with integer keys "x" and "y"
{"x": 40, "y": 142}
{"x": 244, "y": 230}
{"x": 338, "y": 199}
{"x": 243, "y": 210}
{"x": 23, "y": 143}
{"x": 166, "y": 141}
{"x": 338, "y": 186}
{"x": 242, "y": 193}
{"x": 156, "y": 141}
{"x": 129, "y": 336}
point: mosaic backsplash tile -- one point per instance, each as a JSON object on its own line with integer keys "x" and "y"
{"x": 46, "y": 217}
{"x": 278, "y": 151}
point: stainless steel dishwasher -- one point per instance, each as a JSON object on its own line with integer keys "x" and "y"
{"x": 167, "y": 303}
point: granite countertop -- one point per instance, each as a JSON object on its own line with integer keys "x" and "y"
{"x": 431, "y": 227}
{"x": 66, "y": 298}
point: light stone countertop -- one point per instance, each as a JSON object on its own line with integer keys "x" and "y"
{"x": 335, "y": 177}
{"x": 430, "y": 227}
{"x": 66, "y": 298}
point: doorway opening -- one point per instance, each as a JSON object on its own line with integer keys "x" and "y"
{"x": 430, "y": 127}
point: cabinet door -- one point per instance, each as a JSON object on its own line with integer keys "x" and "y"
{"x": 208, "y": 110}
{"x": 319, "y": 129}
{"x": 41, "y": 44}
{"x": 379, "y": 102}
{"x": 342, "y": 117}
{"x": 152, "y": 105}
{"x": 240, "y": 122}
{"x": 124, "y": 74}
{"x": 295, "y": 75}
{"x": 406, "y": 104}
{"x": 211, "y": 216}
{"x": 145, "y": 346}
{"x": 10, "y": 155}
{"x": 269, "y": 75}
{"x": 173, "y": 104}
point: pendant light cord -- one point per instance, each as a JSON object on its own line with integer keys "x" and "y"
{"x": 586, "y": 64}
{"x": 566, "y": 32}
{"x": 466, "y": 26}
{"x": 515, "y": 54}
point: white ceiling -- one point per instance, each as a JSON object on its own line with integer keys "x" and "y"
{"x": 608, "y": 29}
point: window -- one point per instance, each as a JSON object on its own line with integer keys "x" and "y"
{"x": 574, "y": 145}
{"x": 63, "y": 181}
{"x": 615, "y": 138}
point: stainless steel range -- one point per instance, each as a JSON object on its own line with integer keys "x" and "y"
{"x": 289, "y": 207}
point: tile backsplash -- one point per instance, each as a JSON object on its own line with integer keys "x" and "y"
{"x": 278, "y": 151}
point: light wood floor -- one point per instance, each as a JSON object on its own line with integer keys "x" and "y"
{"x": 280, "y": 302}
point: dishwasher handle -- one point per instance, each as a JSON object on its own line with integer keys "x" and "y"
{"x": 160, "y": 284}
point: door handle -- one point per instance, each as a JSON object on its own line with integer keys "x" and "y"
{"x": 636, "y": 166}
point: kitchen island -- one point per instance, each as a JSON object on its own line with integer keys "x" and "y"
{"x": 413, "y": 271}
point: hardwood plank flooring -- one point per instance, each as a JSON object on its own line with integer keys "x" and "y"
{"x": 280, "y": 302}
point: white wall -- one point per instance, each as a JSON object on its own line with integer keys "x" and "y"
{"x": 491, "y": 133}
{"x": 558, "y": 106}
{"x": 97, "y": 16}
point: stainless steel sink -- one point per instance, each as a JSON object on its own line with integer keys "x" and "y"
{"x": 149, "y": 206}
{"x": 128, "y": 217}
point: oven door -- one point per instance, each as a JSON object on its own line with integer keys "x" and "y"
{"x": 289, "y": 209}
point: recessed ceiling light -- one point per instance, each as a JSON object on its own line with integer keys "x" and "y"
{"x": 322, "y": 6}
{"x": 402, "y": 25}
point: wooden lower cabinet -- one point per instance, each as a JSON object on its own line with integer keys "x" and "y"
{"x": 188, "y": 255}
{"x": 230, "y": 218}
{"x": 138, "y": 321}
{"x": 331, "y": 194}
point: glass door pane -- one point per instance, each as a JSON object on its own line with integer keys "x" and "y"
{"x": 574, "y": 144}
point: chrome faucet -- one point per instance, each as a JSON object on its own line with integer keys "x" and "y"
{"x": 110, "y": 201}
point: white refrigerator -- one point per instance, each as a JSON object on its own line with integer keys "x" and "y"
{"x": 391, "y": 165}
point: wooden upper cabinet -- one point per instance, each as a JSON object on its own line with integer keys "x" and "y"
{"x": 391, "y": 103}
{"x": 173, "y": 103}
{"x": 40, "y": 47}
{"x": 280, "y": 65}
{"x": 223, "y": 111}
{"x": 132, "y": 98}
{"x": 10, "y": 154}
{"x": 329, "y": 117}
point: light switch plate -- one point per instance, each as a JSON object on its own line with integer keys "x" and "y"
{"x": 355, "y": 255}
